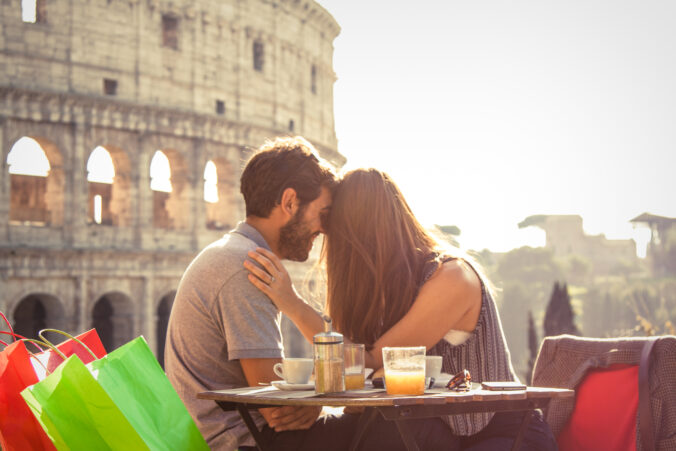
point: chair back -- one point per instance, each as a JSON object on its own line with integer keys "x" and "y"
{"x": 564, "y": 361}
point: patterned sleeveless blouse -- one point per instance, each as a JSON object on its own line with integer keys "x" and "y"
{"x": 484, "y": 354}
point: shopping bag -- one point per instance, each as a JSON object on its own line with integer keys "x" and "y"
{"x": 136, "y": 382}
{"x": 19, "y": 369}
{"x": 121, "y": 401}
{"x": 76, "y": 413}
{"x": 19, "y": 429}
{"x": 87, "y": 346}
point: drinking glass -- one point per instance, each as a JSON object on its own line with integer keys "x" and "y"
{"x": 354, "y": 366}
{"x": 404, "y": 370}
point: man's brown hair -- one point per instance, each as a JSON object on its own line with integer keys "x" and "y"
{"x": 281, "y": 164}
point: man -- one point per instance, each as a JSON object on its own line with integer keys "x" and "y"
{"x": 223, "y": 332}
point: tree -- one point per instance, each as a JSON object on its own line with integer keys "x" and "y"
{"x": 532, "y": 343}
{"x": 559, "y": 317}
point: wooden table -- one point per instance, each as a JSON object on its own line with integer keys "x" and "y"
{"x": 434, "y": 403}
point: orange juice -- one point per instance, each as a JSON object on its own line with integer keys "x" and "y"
{"x": 405, "y": 382}
{"x": 354, "y": 381}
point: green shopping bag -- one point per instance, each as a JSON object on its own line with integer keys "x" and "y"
{"x": 137, "y": 384}
{"x": 133, "y": 406}
{"x": 76, "y": 412}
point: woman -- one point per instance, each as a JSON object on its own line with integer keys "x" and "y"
{"x": 390, "y": 283}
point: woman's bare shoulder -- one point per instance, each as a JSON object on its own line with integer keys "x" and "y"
{"x": 456, "y": 272}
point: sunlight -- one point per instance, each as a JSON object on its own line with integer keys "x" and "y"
{"x": 28, "y": 158}
{"x": 160, "y": 173}
{"x": 29, "y": 10}
{"x": 100, "y": 166}
{"x": 641, "y": 236}
{"x": 210, "y": 183}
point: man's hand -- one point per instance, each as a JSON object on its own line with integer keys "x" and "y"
{"x": 290, "y": 418}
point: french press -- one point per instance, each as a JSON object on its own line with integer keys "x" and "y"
{"x": 328, "y": 356}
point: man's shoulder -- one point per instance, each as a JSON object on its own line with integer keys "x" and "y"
{"x": 231, "y": 249}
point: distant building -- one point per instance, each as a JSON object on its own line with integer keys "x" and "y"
{"x": 662, "y": 247}
{"x": 565, "y": 237}
{"x": 186, "y": 87}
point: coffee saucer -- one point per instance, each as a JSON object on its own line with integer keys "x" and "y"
{"x": 282, "y": 385}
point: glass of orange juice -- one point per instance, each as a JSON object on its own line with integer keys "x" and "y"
{"x": 354, "y": 366}
{"x": 404, "y": 370}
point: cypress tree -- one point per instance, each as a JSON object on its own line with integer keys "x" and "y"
{"x": 532, "y": 343}
{"x": 559, "y": 318}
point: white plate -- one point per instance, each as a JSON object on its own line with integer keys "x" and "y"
{"x": 282, "y": 385}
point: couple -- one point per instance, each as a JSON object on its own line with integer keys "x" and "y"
{"x": 390, "y": 283}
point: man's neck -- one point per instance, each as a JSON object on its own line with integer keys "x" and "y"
{"x": 268, "y": 229}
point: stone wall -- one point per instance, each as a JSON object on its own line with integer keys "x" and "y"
{"x": 54, "y": 76}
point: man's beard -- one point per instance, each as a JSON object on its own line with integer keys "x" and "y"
{"x": 295, "y": 238}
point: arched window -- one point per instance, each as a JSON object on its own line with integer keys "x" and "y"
{"x": 28, "y": 168}
{"x": 210, "y": 183}
{"x": 100, "y": 175}
{"x": 219, "y": 180}
{"x": 28, "y": 158}
{"x": 160, "y": 183}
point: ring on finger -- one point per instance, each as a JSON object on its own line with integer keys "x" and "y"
{"x": 272, "y": 280}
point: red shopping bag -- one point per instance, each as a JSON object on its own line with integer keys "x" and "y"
{"x": 51, "y": 359}
{"x": 19, "y": 430}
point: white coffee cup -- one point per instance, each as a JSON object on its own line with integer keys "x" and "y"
{"x": 295, "y": 370}
{"x": 433, "y": 366}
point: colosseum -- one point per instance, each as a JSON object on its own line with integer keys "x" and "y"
{"x": 123, "y": 129}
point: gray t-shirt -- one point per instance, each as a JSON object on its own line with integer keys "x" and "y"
{"x": 219, "y": 317}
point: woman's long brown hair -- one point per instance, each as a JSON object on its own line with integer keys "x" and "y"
{"x": 376, "y": 252}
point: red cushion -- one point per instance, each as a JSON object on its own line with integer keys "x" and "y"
{"x": 605, "y": 411}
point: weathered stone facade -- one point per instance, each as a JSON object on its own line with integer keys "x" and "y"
{"x": 200, "y": 80}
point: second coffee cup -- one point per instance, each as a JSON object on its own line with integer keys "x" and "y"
{"x": 294, "y": 370}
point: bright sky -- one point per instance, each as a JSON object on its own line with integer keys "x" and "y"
{"x": 486, "y": 112}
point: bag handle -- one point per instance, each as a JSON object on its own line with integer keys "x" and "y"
{"x": 3, "y": 343}
{"x": 36, "y": 359}
{"x": 65, "y": 334}
{"x": 39, "y": 344}
{"x": 644, "y": 410}
{"x": 7, "y": 322}
{"x": 12, "y": 334}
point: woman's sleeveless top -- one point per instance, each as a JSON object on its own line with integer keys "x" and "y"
{"x": 484, "y": 354}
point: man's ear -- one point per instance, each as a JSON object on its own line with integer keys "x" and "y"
{"x": 289, "y": 202}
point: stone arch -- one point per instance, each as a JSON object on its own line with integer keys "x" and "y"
{"x": 171, "y": 209}
{"x": 112, "y": 315}
{"x": 37, "y": 311}
{"x": 220, "y": 214}
{"x": 38, "y": 200}
{"x": 114, "y": 197}
{"x": 163, "y": 311}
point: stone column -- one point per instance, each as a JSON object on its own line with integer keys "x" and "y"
{"x": 82, "y": 302}
{"x": 147, "y": 326}
{"x": 143, "y": 224}
{"x": 5, "y": 184}
{"x": 75, "y": 205}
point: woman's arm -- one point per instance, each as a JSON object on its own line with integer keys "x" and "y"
{"x": 275, "y": 282}
{"x": 450, "y": 299}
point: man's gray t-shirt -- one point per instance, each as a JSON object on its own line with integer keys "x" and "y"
{"x": 219, "y": 317}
